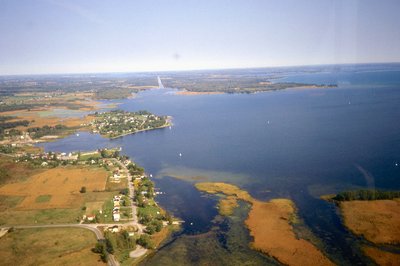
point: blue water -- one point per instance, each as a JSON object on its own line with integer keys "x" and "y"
{"x": 292, "y": 143}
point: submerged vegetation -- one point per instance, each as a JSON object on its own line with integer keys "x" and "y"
{"x": 270, "y": 225}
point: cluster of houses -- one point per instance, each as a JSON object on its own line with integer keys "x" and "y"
{"x": 110, "y": 123}
{"x": 47, "y": 157}
{"x": 116, "y": 214}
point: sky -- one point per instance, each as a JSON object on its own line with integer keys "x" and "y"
{"x": 82, "y": 36}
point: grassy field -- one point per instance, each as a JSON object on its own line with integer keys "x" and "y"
{"x": 52, "y": 195}
{"x": 56, "y": 188}
{"x": 66, "y": 246}
{"x": 113, "y": 186}
{"x": 377, "y": 220}
{"x": 11, "y": 172}
{"x": 46, "y": 216}
{"x": 43, "y": 198}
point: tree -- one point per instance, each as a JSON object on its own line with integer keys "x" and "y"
{"x": 100, "y": 248}
{"x": 145, "y": 241}
{"x": 124, "y": 191}
{"x": 83, "y": 190}
{"x": 109, "y": 246}
{"x": 168, "y": 218}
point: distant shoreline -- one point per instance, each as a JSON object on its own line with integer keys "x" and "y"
{"x": 193, "y": 93}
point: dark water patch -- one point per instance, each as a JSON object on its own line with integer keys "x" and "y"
{"x": 325, "y": 223}
{"x": 187, "y": 203}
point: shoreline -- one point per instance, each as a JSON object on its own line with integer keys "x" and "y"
{"x": 131, "y": 133}
{"x": 376, "y": 223}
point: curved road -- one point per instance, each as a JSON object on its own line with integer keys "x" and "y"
{"x": 92, "y": 227}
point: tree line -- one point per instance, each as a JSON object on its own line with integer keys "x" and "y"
{"x": 366, "y": 194}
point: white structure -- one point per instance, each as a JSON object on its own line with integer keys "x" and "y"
{"x": 116, "y": 217}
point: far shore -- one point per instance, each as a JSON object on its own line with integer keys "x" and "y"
{"x": 190, "y": 93}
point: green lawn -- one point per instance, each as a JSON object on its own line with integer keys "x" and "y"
{"x": 43, "y": 198}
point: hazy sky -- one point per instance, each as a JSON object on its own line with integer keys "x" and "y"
{"x": 67, "y": 36}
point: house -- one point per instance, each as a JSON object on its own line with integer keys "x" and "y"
{"x": 115, "y": 229}
{"x": 91, "y": 218}
{"x": 116, "y": 216}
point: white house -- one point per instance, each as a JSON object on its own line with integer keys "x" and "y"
{"x": 116, "y": 216}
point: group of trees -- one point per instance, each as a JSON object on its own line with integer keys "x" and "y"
{"x": 38, "y": 132}
{"x": 101, "y": 249}
{"x": 366, "y": 194}
{"x": 21, "y": 106}
{"x": 4, "y": 125}
{"x": 146, "y": 189}
{"x": 120, "y": 241}
{"x": 134, "y": 169}
{"x": 6, "y": 149}
{"x": 109, "y": 153}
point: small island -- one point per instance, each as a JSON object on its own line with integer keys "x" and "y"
{"x": 119, "y": 123}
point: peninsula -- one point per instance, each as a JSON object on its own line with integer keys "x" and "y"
{"x": 118, "y": 123}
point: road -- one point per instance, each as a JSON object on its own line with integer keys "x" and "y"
{"x": 94, "y": 227}
{"x": 131, "y": 190}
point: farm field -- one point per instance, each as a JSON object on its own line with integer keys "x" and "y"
{"x": 53, "y": 196}
{"x": 56, "y": 188}
{"x": 55, "y": 246}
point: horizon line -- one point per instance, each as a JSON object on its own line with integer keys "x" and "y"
{"x": 194, "y": 69}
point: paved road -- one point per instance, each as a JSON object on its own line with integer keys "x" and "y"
{"x": 93, "y": 227}
{"x": 131, "y": 190}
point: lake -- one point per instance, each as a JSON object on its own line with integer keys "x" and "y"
{"x": 298, "y": 144}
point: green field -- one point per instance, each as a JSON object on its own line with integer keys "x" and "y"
{"x": 43, "y": 198}
{"x": 56, "y": 246}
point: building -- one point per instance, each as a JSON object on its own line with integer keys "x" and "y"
{"x": 116, "y": 216}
